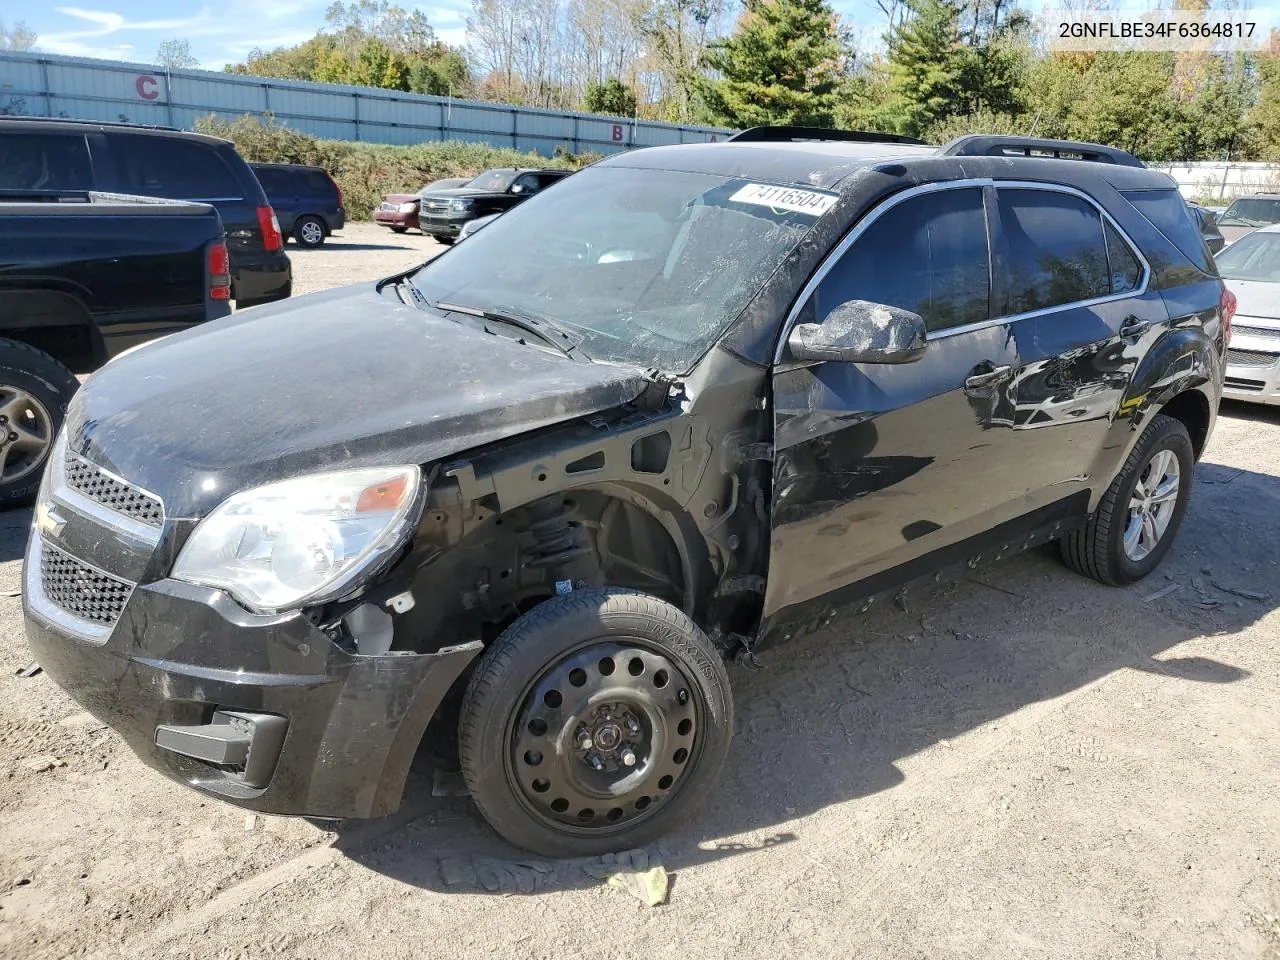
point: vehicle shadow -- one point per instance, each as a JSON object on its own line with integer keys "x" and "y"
{"x": 830, "y": 716}
{"x": 1253, "y": 412}
{"x": 337, "y": 245}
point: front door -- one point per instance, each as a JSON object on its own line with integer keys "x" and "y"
{"x": 880, "y": 465}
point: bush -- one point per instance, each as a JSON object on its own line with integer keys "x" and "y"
{"x": 367, "y": 171}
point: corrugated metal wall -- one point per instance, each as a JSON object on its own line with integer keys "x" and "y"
{"x": 1223, "y": 181}
{"x": 52, "y": 86}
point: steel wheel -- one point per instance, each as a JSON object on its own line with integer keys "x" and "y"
{"x": 603, "y": 738}
{"x": 1152, "y": 505}
{"x": 26, "y": 431}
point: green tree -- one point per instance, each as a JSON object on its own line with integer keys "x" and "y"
{"x": 929, "y": 68}
{"x": 1264, "y": 118}
{"x": 780, "y": 65}
{"x": 613, "y": 97}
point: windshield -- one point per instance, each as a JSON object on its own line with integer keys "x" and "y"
{"x": 493, "y": 180}
{"x": 648, "y": 266}
{"x": 1255, "y": 257}
{"x": 1250, "y": 212}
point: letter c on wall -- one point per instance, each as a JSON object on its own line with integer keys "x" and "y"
{"x": 146, "y": 86}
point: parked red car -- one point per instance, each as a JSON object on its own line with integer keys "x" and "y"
{"x": 399, "y": 211}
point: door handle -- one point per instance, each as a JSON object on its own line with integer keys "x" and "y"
{"x": 992, "y": 376}
{"x": 1134, "y": 328}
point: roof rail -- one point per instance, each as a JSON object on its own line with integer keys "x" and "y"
{"x": 787, "y": 134}
{"x": 93, "y": 123}
{"x": 984, "y": 145}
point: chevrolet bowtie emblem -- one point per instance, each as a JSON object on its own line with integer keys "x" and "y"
{"x": 48, "y": 520}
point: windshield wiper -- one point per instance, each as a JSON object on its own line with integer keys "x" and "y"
{"x": 544, "y": 330}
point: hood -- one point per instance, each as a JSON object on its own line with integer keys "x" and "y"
{"x": 1232, "y": 234}
{"x": 338, "y": 379}
{"x": 1256, "y": 298}
{"x": 401, "y": 198}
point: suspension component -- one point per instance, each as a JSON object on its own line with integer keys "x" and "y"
{"x": 556, "y": 537}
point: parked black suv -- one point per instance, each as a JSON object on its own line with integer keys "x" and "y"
{"x": 42, "y": 154}
{"x": 694, "y": 399}
{"x": 442, "y": 212}
{"x": 307, "y": 201}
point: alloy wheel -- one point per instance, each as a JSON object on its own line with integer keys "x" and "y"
{"x": 26, "y": 431}
{"x": 1152, "y": 504}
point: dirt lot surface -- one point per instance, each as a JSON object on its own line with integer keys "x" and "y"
{"x": 1022, "y": 764}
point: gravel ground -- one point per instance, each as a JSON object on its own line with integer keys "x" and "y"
{"x": 1021, "y": 764}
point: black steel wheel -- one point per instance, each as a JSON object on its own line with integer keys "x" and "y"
{"x": 594, "y": 723}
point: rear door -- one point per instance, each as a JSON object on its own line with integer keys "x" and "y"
{"x": 180, "y": 169}
{"x": 1080, "y": 316}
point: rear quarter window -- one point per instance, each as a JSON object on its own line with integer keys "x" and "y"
{"x": 1168, "y": 213}
{"x": 173, "y": 168}
{"x": 317, "y": 183}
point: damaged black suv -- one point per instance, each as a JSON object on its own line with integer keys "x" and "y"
{"x": 528, "y": 497}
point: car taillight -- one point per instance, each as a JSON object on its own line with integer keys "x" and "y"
{"x": 1229, "y": 304}
{"x": 219, "y": 272}
{"x": 271, "y": 238}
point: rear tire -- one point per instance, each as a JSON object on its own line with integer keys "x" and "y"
{"x": 446, "y": 241}
{"x": 309, "y": 232}
{"x": 1138, "y": 518}
{"x": 35, "y": 390}
{"x": 399, "y": 229}
{"x": 595, "y": 723}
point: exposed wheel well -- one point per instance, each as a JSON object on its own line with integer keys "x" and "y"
{"x": 1192, "y": 408}
{"x": 53, "y": 322}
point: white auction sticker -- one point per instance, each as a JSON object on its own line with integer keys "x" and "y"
{"x": 809, "y": 202}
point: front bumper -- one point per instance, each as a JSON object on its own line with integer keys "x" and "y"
{"x": 442, "y": 225}
{"x": 394, "y": 218}
{"x": 179, "y": 654}
{"x": 1253, "y": 364}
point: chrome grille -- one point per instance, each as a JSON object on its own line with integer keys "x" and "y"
{"x": 81, "y": 590}
{"x": 85, "y": 478}
{"x": 1246, "y": 331}
{"x": 436, "y": 205}
{"x": 1250, "y": 358}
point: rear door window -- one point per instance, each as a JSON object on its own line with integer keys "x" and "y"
{"x": 1057, "y": 254}
{"x": 172, "y": 168}
{"x": 1168, "y": 213}
{"x": 928, "y": 254}
{"x": 45, "y": 161}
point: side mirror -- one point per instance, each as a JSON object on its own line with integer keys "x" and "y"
{"x": 859, "y": 331}
{"x": 517, "y": 188}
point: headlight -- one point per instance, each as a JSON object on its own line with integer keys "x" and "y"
{"x": 308, "y": 539}
{"x": 408, "y": 207}
{"x": 459, "y": 206}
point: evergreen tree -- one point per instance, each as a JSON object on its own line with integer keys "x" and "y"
{"x": 781, "y": 65}
{"x": 930, "y": 69}
{"x": 613, "y": 97}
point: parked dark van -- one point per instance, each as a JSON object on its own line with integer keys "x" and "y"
{"x": 158, "y": 162}
{"x": 307, "y": 200}
{"x": 529, "y": 497}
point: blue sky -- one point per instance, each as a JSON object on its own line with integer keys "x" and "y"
{"x": 224, "y": 31}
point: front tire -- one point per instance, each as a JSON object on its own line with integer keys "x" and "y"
{"x": 309, "y": 232}
{"x": 34, "y": 392}
{"x": 1138, "y": 518}
{"x": 595, "y": 723}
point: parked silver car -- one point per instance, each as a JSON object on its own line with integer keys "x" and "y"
{"x": 1251, "y": 269}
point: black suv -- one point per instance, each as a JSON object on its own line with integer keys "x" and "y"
{"x": 307, "y": 201}
{"x": 157, "y": 162}
{"x": 693, "y": 400}
{"x": 442, "y": 212}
